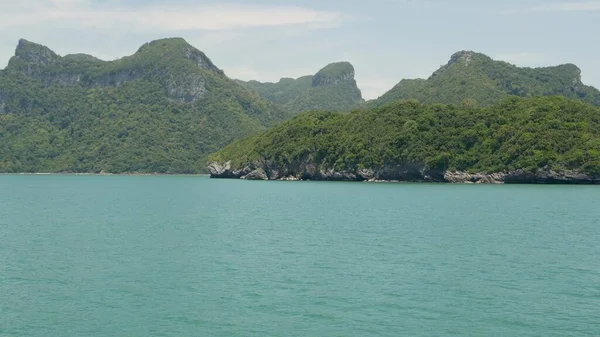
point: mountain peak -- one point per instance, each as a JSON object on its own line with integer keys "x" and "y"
{"x": 178, "y": 47}
{"x": 334, "y": 73}
{"x": 165, "y": 44}
{"x": 571, "y": 69}
{"x": 35, "y": 53}
{"x": 464, "y": 56}
{"x": 475, "y": 76}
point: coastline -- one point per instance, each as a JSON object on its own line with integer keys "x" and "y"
{"x": 106, "y": 174}
{"x": 404, "y": 172}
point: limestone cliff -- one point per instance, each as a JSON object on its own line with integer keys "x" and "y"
{"x": 335, "y": 73}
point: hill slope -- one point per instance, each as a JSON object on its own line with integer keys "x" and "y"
{"x": 474, "y": 78}
{"x": 333, "y": 88}
{"x": 544, "y": 139}
{"x": 161, "y": 110}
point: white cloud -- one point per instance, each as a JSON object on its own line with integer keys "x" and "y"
{"x": 565, "y": 6}
{"x": 161, "y": 17}
{"x": 572, "y": 6}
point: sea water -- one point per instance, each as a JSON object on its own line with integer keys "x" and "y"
{"x": 191, "y": 256}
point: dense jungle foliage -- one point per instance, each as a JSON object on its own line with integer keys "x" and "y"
{"x": 514, "y": 134}
{"x": 162, "y": 110}
{"x": 333, "y": 88}
{"x": 476, "y": 79}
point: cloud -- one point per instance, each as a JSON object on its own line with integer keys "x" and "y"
{"x": 566, "y": 6}
{"x": 213, "y": 17}
{"x": 580, "y": 6}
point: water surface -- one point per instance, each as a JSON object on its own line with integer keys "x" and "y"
{"x": 191, "y": 256}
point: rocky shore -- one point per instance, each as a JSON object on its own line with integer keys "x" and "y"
{"x": 404, "y": 172}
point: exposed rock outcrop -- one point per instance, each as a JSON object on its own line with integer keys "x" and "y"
{"x": 550, "y": 176}
{"x": 114, "y": 79}
{"x": 258, "y": 174}
{"x": 201, "y": 60}
{"x": 335, "y": 73}
{"x": 463, "y": 57}
{"x": 312, "y": 171}
{"x": 477, "y": 178}
{"x": 403, "y": 172}
{"x": 187, "y": 88}
{"x": 35, "y": 53}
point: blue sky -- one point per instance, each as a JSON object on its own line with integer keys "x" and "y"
{"x": 386, "y": 40}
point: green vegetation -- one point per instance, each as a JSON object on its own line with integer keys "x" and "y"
{"x": 514, "y": 134}
{"x": 161, "y": 110}
{"x": 477, "y": 79}
{"x": 165, "y": 108}
{"x": 333, "y": 88}
{"x": 282, "y": 92}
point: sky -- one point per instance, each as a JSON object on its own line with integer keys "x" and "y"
{"x": 385, "y": 40}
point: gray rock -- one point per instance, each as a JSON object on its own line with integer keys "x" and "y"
{"x": 401, "y": 172}
{"x": 547, "y": 175}
{"x": 366, "y": 174}
{"x": 201, "y": 60}
{"x": 258, "y": 174}
{"x": 35, "y": 53}
{"x": 461, "y": 177}
{"x": 115, "y": 79}
{"x": 324, "y": 77}
{"x": 186, "y": 89}
{"x": 217, "y": 168}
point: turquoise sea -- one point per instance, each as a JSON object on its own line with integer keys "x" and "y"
{"x": 191, "y": 256}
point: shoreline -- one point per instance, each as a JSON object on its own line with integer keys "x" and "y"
{"x": 404, "y": 172}
{"x": 107, "y": 174}
{"x": 463, "y": 182}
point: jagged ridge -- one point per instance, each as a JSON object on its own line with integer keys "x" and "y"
{"x": 332, "y": 88}
{"x": 162, "y": 109}
{"x": 153, "y": 60}
{"x": 475, "y": 78}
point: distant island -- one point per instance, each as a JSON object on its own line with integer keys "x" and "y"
{"x": 168, "y": 109}
{"x": 332, "y": 88}
{"x": 534, "y": 140}
{"x": 163, "y": 109}
{"x": 477, "y": 79}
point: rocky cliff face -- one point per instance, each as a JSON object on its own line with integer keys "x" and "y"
{"x": 313, "y": 171}
{"x": 334, "y": 74}
{"x": 403, "y": 172}
{"x": 202, "y": 61}
{"x": 463, "y": 58}
{"x": 35, "y": 54}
